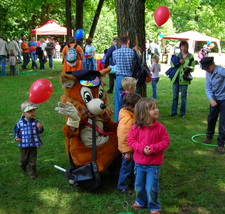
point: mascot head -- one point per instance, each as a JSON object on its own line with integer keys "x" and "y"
{"x": 84, "y": 89}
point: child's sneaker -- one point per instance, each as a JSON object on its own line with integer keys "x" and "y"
{"x": 136, "y": 206}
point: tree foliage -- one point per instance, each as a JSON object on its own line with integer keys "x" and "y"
{"x": 18, "y": 17}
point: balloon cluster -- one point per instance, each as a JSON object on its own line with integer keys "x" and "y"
{"x": 40, "y": 91}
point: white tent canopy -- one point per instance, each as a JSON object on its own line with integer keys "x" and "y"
{"x": 192, "y": 37}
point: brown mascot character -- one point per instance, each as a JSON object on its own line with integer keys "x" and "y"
{"x": 84, "y": 97}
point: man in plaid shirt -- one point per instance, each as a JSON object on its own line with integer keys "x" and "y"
{"x": 124, "y": 60}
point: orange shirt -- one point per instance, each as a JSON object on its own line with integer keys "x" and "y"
{"x": 78, "y": 66}
{"x": 24, "y": 47}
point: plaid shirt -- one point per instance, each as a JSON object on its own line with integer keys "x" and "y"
{"x": 28, "y": 132}
{"x": 124, "y": 60}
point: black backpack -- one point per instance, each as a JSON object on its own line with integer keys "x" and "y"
{"x": 140, "y": 70}
{"x": 39, "y": 51}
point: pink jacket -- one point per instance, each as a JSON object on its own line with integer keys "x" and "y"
{"x": 155, "y": 136}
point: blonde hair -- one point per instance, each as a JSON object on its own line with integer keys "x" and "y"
{"x": 141, "y": 111}
{"x": 42, "y": 40}
{"x": 25, "y": 104}
{"x": 129, "y": 84}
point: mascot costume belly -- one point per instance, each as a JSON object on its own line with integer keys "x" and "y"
{"x": 84, "y": 98}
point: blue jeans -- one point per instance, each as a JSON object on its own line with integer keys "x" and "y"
{"x": 154, "y": 87}
{"x": 214, "y": 113}
{"x": 183, "y": 89}
{"x": 26, "y": 60}
{"x": 126, "y": 172}
{"x": 89, "y": 64}
{"x": 2, "y": 59}
{"x": 147, "y": 186}
{"x": 117, "y": 97}
{"x": 33, "y": 58}
{"x": 51, "y": 62}
{"x": 19, "y": 57}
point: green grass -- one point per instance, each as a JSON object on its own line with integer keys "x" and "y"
{"x": 192, "y": 177}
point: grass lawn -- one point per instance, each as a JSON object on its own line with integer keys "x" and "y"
{"x": 192, "y": 177}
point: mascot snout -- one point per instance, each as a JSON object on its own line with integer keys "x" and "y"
{"x": 96, "y": 106}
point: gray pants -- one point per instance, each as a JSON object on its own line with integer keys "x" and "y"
{"x": 28, "y": 157}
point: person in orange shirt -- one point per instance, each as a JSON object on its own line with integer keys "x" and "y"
{"x": 25, "y": 52}
{"x": 77, "y": 65}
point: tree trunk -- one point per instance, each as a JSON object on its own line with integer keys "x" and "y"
{"x": 79, "y": 18}
{"x": 45, "y": 11}
{"x": 68, "y": 20}
{"x": 131, "y": 21}
{"x": 95, "y": 21}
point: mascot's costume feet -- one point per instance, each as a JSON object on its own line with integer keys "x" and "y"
{"x": 84, "y": 98}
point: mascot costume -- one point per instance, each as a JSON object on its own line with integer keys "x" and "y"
{"x": 84, "y": 98}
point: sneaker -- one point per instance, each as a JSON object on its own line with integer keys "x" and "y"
{"x": 32, "y": 176}
{"x": 182, "y": 116}
{"x": 221, "y": 149}
{"x": 136, "y": 206}
{"x": 171, "y": 115}
{"x": 208, "y": 139}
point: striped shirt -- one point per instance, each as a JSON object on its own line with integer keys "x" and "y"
{"x": 124, "y": 60}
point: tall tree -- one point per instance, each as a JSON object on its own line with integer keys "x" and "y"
{"x": 96, "y": 17}
{"x": 131, "y": 20}
{"x": 68, "y": 19}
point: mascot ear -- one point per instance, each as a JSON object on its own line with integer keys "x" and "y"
{"x": 68, "y": 81}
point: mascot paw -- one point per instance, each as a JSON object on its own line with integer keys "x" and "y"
{"x": 70, "y": 111}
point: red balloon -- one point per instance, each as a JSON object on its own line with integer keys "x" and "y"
{"x": 149, "y": 79}
{"x": 161, "y": 15}
{"x": 40, "y": 91}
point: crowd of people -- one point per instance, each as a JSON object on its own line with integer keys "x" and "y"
{"x": 141, "y": 138}
{"x": 20, "y": 50}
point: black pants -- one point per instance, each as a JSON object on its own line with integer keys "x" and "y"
{"x": 112, "y": 78}
{"x": 28, "y": 157}
{"x": 214, "y": 113}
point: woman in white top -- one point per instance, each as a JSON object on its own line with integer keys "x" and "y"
{"x": 42, "y": 56}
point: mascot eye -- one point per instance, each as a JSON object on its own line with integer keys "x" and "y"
{"x": 101, "y": 94}
{"x": 87, "y": 96}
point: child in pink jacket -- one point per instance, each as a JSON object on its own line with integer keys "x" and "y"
{"x": 148, "y": 138}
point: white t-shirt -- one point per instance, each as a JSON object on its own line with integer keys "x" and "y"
{"x": 156, "y": 67}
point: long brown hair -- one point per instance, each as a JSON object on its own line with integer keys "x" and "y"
{"x": 141, "y": 111}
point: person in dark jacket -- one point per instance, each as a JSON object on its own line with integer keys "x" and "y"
{"x": 109, "y": 61}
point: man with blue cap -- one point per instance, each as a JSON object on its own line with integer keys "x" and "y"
{"x": 215, "y": 90}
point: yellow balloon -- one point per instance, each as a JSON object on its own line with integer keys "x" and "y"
{"x": 211, "y": 46}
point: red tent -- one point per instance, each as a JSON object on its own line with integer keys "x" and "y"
{"x": 50, "y": 28}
